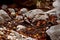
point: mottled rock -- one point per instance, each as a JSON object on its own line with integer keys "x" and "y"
{"x": 54, "y": 32}
{"x": 4, "y": 7}
{"x": 23, "y": 10}
{"x": 11, "y": 10}
{"x": 19, "y": 17}
{"x": 4, "y": 15}
{"x": 19, "y": 27}
{"x": 1, "y": 20}
{"x": 34, "y": 12}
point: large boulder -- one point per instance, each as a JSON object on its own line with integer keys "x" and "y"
{"x": 54, "y": 32}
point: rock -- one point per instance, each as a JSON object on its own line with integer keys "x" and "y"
{"x": 51, "y": 12}
{"x": 19, "y": 27}
{"x": 58, "y": 21}
{"x": 54, "y": 32}
{"x": 13, "y": 13}
{"x": 32, "y": 13}
{"x": 11, "y": 10}
{"x": 1, "y": 20}
{"x": 23, "y": 10}
{"x": 29, "y": 38}
{"x": 43, "y": 17}
{"x": 4, "y": 7}
{"x": 1, "y": 33}
{"x": 4, "y": 15}
{"x": 14, "y": 36}
{"x": 36, "y": 14}
{"x": 19, "y": 17}
{"x": 56, "y": 4}
{"x": 2, "y": 28}
{"x": 40, "y": 17}
{"x": 56, "y": 10}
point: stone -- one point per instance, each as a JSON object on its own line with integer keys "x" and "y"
{"x": 4, "y": 7}
{"x": 32, "y": 13}
{"x": 23, "y": 10}
{"x": 19, "y": 17}
{"x": 56, "y": 4}
{"x": 4, "y": 15}
{"x": 19, "y": 27}
{"x": 54, "y": 32}
{"x": 56, "y": 9}
{"x": 11, "y": 10}
{"x": 1, "y": 20}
